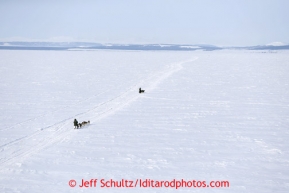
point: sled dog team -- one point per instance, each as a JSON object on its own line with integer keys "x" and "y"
{"x": 140, "y": 90}
{"x": 79, "y": 125}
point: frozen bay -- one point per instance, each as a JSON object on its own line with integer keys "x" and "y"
{"x": 219, "y": 115}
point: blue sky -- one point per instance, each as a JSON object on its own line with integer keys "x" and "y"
{"x": 219, "y": 22}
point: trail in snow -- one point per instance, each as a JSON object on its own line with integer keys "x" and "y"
{"x": 59, "y": 109}
{"x": 19, "y": 149}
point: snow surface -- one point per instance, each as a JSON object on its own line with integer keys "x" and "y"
{"x": 220, "y": 115}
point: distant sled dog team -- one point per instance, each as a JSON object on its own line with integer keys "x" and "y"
{"x": 141, "y": 91}
{"x": 79, "y": 125}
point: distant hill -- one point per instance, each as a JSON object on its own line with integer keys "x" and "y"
{"x": 92, "y": 46}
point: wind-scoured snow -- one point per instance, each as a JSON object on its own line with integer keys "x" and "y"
{"x": 204, "y": 116}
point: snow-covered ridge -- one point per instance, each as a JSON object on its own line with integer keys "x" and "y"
{"x": 92, "y": 46}
{"x": 81, "y": 46}
{"x": 276, "y": 44}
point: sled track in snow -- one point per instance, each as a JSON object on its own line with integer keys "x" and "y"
{"x": 59, "y": 109}
{"x": 26, "y": 146}
{"x": 131, "y": 94}
{"x": 21, "y": 148}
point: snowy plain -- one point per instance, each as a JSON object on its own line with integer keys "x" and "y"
{"x": 218, "y": 115}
